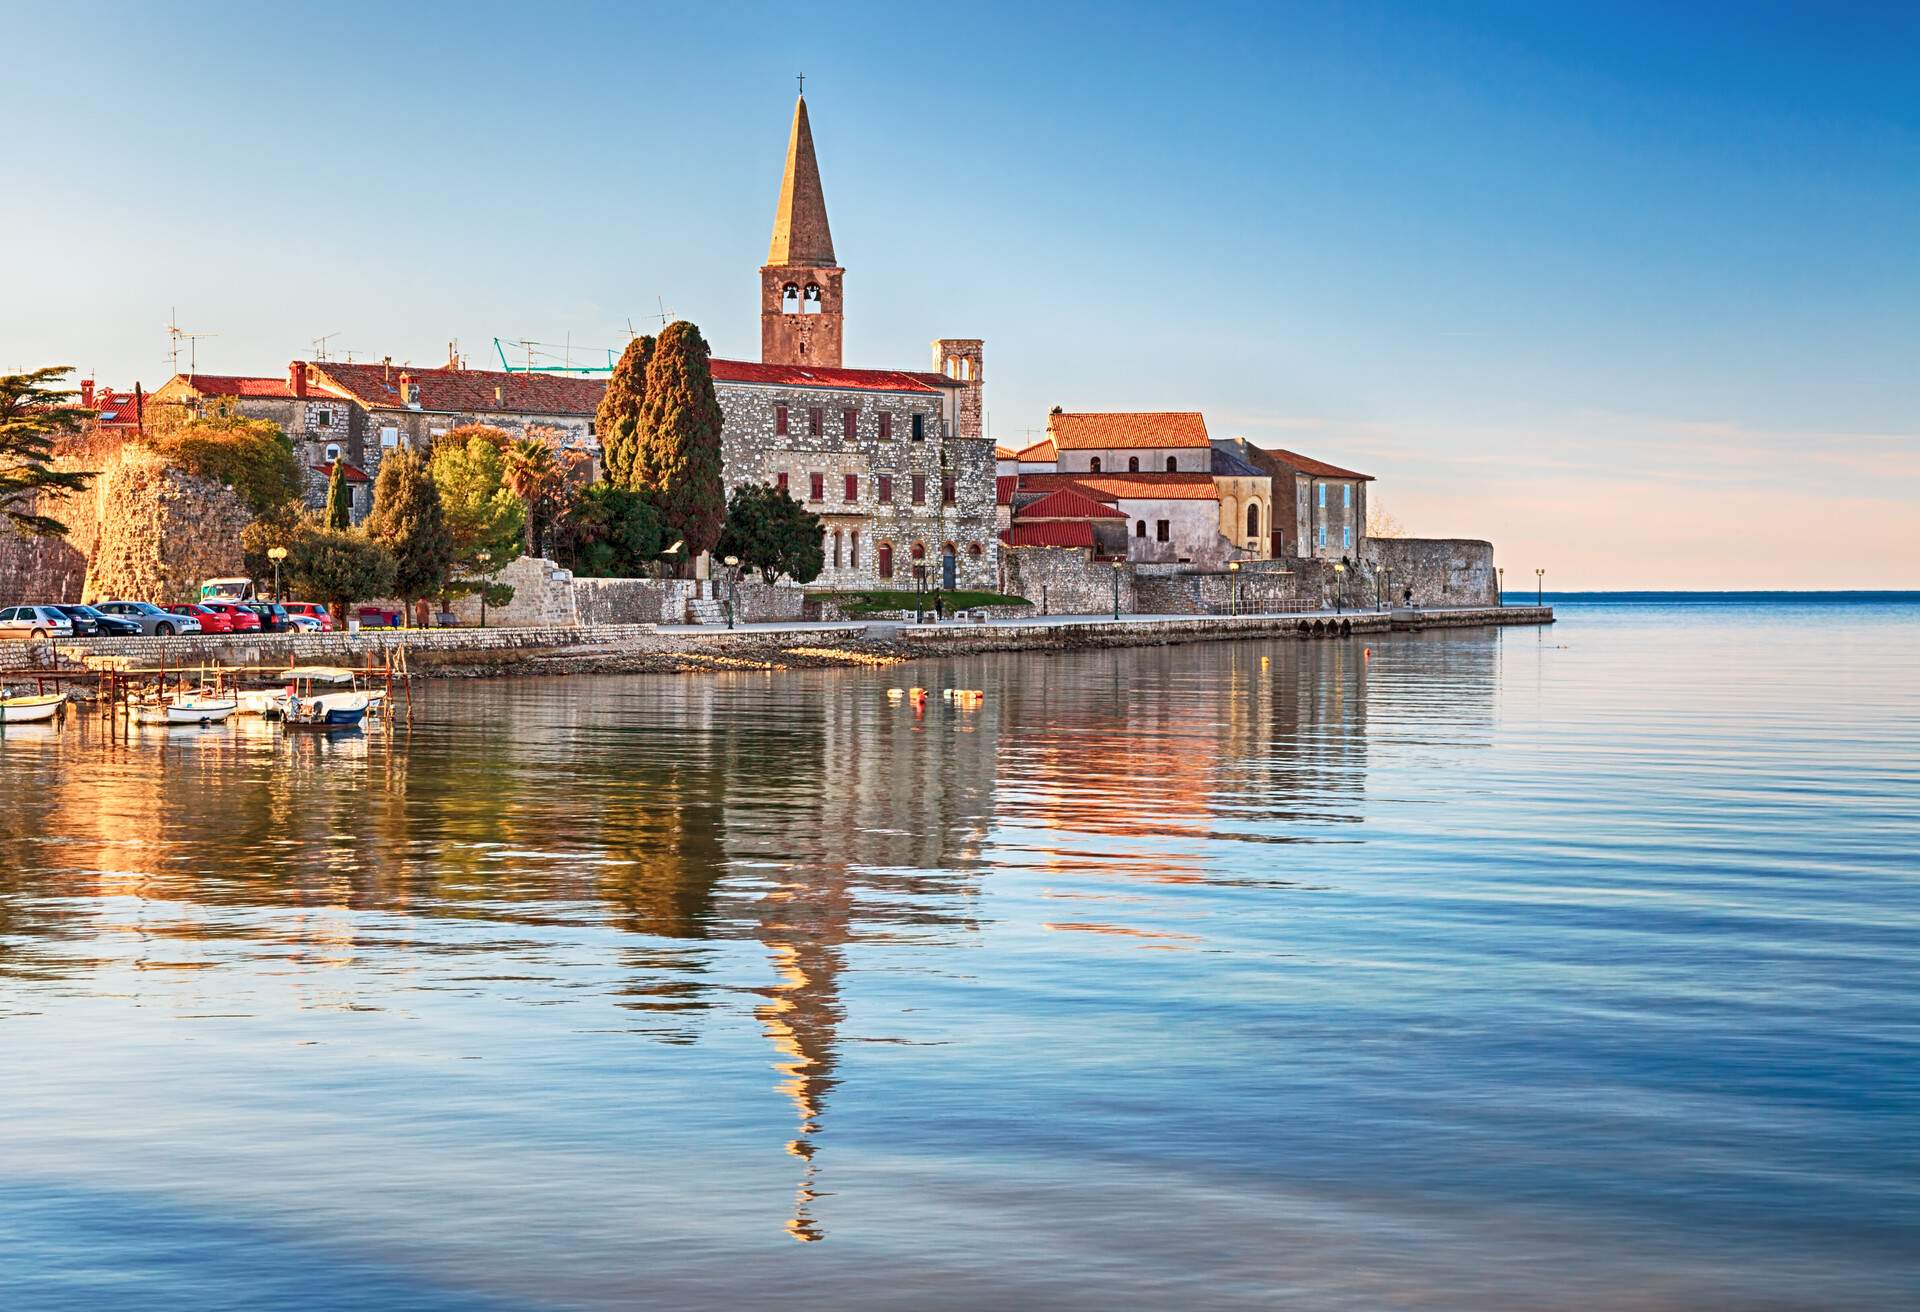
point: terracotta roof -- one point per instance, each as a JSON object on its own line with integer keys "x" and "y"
{"x": 1127, "y": 428}
{"x": 354, "y": 474}
{"x": 1190, "y": 485}
{"x": 853, "y": 380}
{"x": 800, "y": 232}
{"x": 1002, "y": 452}
{"x": 1051, "y": 533}
{"x": 377, "y": 386}
{"x": 1003, "y": 489}
{"x": 238, "y": 385}
{"x": 1300, "y": 464}
{"x": 116, "y": 409}
{"x": 1040, "y": 452}
{"x": 1066, "y": 503}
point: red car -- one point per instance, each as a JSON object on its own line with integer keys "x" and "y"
{"x": 211, "y": 620}
{"x": 312, "y": 610}
{"x": 242, "y": 619}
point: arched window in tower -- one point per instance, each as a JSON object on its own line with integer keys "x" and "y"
{"x": 1093, "y": 465}
{"x": 810, "y": 303}
{"x": 1133, "y": 464}
{"x": 883, "y": 555}
{"x": 790, "y": 299}
{"x": 1173, "y": 465}
{"x": 1253, "y": 519}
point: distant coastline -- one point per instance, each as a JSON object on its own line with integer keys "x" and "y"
{"x": 1857, "y": 597}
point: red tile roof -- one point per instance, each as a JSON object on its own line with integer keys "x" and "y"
{"x": 1066, "y": 503}
{"x": 1124, "y": 428}
{"x": 354, "y": 474}
{"x": 1190, "y": 485}
{"x": 1001, "y": 451}
{"x": 853, "y": 380}
{"x": 116, "y": 409}
{"x": 1003, "y": 489}
{"x": 238, "y": 385}
{"x": 1051, "y": 533}
{"x": 1300, "y": 464}
{"x": 377, "y": 386}
{"x": 1041, "y": 452}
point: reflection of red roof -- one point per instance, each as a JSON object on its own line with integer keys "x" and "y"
{"x": 856, "y": 380}
{"x": 353, "y": 472}
{"x": 1189, "y": 485}
{"x": 1066, "y": 503}
{"x": 1003, "y": 489}
{"x": 1051, "y": 533}
{"x": 237, "y": 385}
{"x": 377, "y": 386}
{"x": 1170, "y": 428}
{"x": 1300, "y": 464}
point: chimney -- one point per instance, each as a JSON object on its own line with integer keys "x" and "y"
{"x": 139, "y": 410}
{"x": 297, "y": 377}
{"x": 86, "y": 393}
{"x": 386, "y": 368}
{"x": 500, "y": 396}
{"x": 409, "y": 392}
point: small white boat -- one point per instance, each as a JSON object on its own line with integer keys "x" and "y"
{"x": 31, "y": 710}
{"x": 200, "y": 710}
{"x": 261, "y": 701}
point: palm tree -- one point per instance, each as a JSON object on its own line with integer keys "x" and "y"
{"x": 530, "y": 472}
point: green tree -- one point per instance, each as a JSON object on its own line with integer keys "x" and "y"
{"x": 34, "y": 416}
{"x": 610, "y": 532}
{"x": 279, "y": 527}
{"x": 339, "y": 511}
{"x": 339, "y": 568}
{"x": 484, "y": 518}
{"x": 679, "y": 456}
{"x": 773, "y": 533}
{"x": 530, "y": 471}
{"x": 407, "y": 519}
{"x": 619, "y": 418}
{"x": 252, "y": 456}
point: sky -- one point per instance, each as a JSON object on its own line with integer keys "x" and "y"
{"x": 1632, "y": 291}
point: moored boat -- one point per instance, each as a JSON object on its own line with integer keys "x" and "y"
{"x": 31, "y": 710}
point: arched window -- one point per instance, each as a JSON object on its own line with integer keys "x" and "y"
{"x": 838, "y": 538}
{"x": 1173, "y": 465}
{"x": 1133, "y": 464}
{"x": 790, "y": 299}
{"x": 1253, "y": 519}
{"x": 973, "y": 550}
{"x": 333, "y": 452}
{"x": 810, "y": 303}
{"x": 1093, "y": 465}
{"x": 853, "y": 548}
{"x": 919, "y": 551}
{"x": 885, "y": 557}
{"x": 1140, "y": 529}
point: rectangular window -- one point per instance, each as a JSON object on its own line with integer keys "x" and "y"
{"x": 919, "y": 427}
{"x": 1323, "y": 535}
{"x": 323, "y": 419}
{"x": 946, "y": 490}
{"x": 886, "y": 423}
{"x": 780, "y": 420}
{"x": 853, "y": 487}
{"x": 780, "y": 480}
{"x": 885, "y": 493}
{"x": 853, "y": 548}
{"x": 389, "y": 437}
{"x": 1346, "y": 495}
{"x": 816, "y": 421}
{"x": 849, "y": 423}
{"x": 836, "y": 548}
{"x": 919, "y": 489}
{"x": 1323, "y": 496}
{"x": 1162, "y": 531}
{"x": 1346, "y": 536}
{"x": 816, "y": 487}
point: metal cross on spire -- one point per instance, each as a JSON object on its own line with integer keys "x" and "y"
{"x": 803, "y": 82}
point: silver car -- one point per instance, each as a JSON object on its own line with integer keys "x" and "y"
{"x": 153, "y": 622}
{"x": 34, "y": 623}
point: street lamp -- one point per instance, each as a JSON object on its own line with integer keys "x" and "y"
{"x": 1502, "y": 572}
{"x": 919, "y": 594}
{"x": 1339, "y": 585}
{"x": 1117, "y": 563}
{"x": 485, "y": 558}
{"x": 1233, "y": 570}
{"x": 733, "y": 585}
{"x": 276, "y": 555}
{"x": 1539, "y": 587}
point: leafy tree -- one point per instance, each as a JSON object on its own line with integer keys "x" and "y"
{"x": 619, "y": 419}
{"x": 279, "y": 527}
{"x": 679, "y": 455}
{"x": 773, "y": 533}
{"x": 530, "y": 471}
{"x": 339, "y": 511}
{"x": 408, "y": 520}
{"x": 340, "y": 568}
{"x": 612, "y": 533}
{"x": 34, "y": 415}
{"x": 484, "y": 518}
{"x": 497, "y": 438}
{"x": 252, "y": 456}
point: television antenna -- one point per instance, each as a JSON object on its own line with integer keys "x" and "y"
{"x": 176, "y": 335}
{"x": 320, "y": 346}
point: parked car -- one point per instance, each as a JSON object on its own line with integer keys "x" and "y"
{"x": 34, "y": 623}
{"x": 244, "y": 620}
{"x": 211, "y": 620}
{"x": 153, "y": 622}
{"x": 273, "y": 616}
{"x": 302, "y": 624}
{"x": 90, "y": 623}
{"x": 313, "y": 610}
{"x": 230, "y": 589}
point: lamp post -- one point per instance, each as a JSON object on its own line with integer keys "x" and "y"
{"x": 733, "y": 585}
{"x": 919, "y": 594}
{"x": 1117, "y": 564}
{"x": 1502, "y": 572}
{"x": 484, "y": 558}
{"x": 1233, "y": 570}
{"x": 276, "y": 555}
{"x": 1539, "y": 587}
{"x": 1339, "y": 586}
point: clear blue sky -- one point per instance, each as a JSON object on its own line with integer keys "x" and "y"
{"x": 1632, "y": 290}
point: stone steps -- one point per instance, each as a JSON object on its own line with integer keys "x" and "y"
{"x": 702, "y": 611}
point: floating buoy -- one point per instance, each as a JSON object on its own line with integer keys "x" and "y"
{"x": 1366, "y": 653}
{"x": 1265, "y": 661}
{"x": 895, "y": 694}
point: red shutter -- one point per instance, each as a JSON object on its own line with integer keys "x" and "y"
{"x": 816, "y": 421}
{"x": 946, "y": 490}
{"x": 816, "y": 487}
{"x": 780, "y": 420}
{"x": 848, "y": 419}
{"x": 886, "y": 423}
{"x": 886, "y": 489}
{"x": 780, "y": 481}
{"x": 919, "y": 489}
{"x": 853, "y": 483}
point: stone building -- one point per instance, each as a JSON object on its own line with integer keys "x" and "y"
{"x": 1245, "y": 495}
{"x": 1320, "y": 510}
{"x": 1132, "y": 442}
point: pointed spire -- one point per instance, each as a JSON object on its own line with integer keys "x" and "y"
{"x": 800, "y": 232}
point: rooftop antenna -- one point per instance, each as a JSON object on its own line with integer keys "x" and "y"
{"x": 665, "y": 316}
{"x": 176, "y": 335}
{"x": 320, "y": 346}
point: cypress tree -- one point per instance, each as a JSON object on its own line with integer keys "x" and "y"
{"x": 679, "y": 455}
{"x": 409, "y": 521}
{"x": 618, "y": 420}
{"x": 339, "y": 503}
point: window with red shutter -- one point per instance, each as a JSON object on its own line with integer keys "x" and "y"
{"x": 849, "y": 421}
{"x": 816, "y": 487}
{"x": 886, "y": 423}
{"x": 780, "y": 480}
{"x": 780, "y": 420}
{"x": 886, "y": 490}
{"x": 919, "y": 489}
{"x": 816, "y": 421}
{"x": 946, "y": 490}
{"x": 853, "y": 487}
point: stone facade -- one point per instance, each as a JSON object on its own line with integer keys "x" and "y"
{"x": 1248, "y": 591}
{"x": 1067, "y": 581}
{"x": 1441, "y": 571}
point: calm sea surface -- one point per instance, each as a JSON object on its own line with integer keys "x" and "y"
{"x": 1575, "y": 967}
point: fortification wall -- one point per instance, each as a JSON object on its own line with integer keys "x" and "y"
{"x": 1066, "y": 581}
{"x": 1441, "y": 571}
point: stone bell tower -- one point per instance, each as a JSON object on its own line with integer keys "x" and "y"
{"x": 802, "y": 316}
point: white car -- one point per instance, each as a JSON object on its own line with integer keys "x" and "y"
{"x": 302, "y": 623}
{"x": 34, "y": 623}
{"x": 153, "y": 621}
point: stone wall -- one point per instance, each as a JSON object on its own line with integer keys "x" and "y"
{"x": 1441, "y": 571}
{"x": 544, "y": 594}
{"x": 1213, "y": 592}
{"x": 1066, "y": 581}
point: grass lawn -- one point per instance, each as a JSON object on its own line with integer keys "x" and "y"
{"x": 872, "y": 602}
